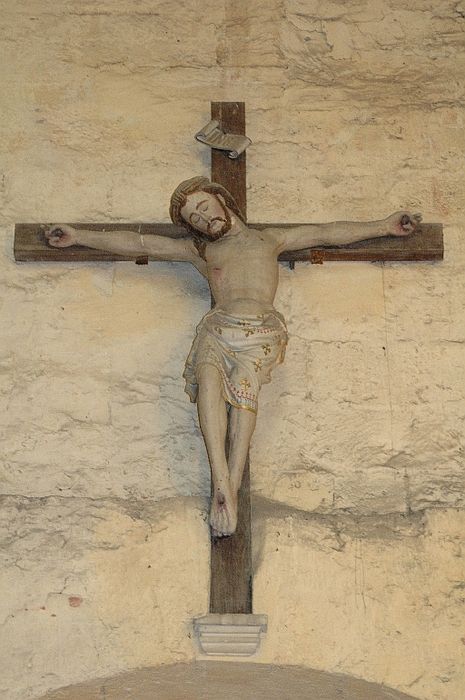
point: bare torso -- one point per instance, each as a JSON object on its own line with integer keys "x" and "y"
{"x": 242, "y": 271}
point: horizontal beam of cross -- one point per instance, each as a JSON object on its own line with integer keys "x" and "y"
{"x": 424, "y": 244}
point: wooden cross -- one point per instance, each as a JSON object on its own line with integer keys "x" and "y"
{"x": 231, "y": 559}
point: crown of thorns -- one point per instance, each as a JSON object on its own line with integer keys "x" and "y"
{"x": 198, "y": 184}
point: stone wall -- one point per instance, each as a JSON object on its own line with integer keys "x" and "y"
{"x": 355, "y": 110}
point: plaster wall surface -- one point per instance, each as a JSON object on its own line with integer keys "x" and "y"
{"x": 355, "y": 110}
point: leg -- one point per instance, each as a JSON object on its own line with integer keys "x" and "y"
{"x": 213, "y": 422}
{"x": 241, "y": 427}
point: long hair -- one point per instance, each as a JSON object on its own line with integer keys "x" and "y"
{"x": 179, "y": 199}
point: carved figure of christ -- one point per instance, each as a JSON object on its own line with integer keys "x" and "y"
{"x": 240, "y": 341}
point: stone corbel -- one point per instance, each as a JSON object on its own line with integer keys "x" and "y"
{"x": 230, "y": 634}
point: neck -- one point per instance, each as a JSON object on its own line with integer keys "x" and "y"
{"x": 237, "y": 226}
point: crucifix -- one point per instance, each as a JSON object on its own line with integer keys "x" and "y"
{"x": 243, "y": 337}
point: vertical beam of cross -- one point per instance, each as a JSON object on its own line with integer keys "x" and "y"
{"x": 231, "y": 557}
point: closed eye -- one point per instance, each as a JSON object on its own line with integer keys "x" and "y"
{"x": 202, "y": 205}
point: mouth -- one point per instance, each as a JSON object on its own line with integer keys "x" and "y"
{"x": 215, "y": 224}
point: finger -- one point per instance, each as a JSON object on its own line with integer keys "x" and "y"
{"x": 54, "y": 231}
{"x": 56, "y": 237}
{"x": 55, "y": 241}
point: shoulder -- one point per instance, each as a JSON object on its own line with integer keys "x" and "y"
{"x": 271, "y": 235}
{"x": 190, "y": 249}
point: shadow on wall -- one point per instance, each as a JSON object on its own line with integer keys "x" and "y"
{"x": 229, "y": 681}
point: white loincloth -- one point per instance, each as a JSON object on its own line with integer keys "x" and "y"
{"x": 244, "y": 350}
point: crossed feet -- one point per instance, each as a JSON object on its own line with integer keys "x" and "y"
{"x": 223, "y": 512}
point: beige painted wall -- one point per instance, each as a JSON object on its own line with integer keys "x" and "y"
{"x": 355, "y": 110}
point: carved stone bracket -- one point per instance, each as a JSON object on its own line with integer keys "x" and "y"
{"x": 231, "y": 634}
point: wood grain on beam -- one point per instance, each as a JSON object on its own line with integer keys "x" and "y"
{"x": 231, "y": 557}
{"x": 425, "y": 244}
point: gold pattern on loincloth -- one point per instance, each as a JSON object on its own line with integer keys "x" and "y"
{"x": 235, "y": 347}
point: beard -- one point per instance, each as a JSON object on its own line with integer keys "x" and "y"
{"x": 214, "y": 235}
{"x": 224, "y": 228}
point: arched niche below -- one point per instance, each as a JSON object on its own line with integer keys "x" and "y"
{"x": 229, "y": 681}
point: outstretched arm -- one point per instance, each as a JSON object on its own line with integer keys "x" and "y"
{"x": 341, "y": 232}
{"x": 124, "y": 243}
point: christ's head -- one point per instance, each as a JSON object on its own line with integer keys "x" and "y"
{"x": 203, "y": 208}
